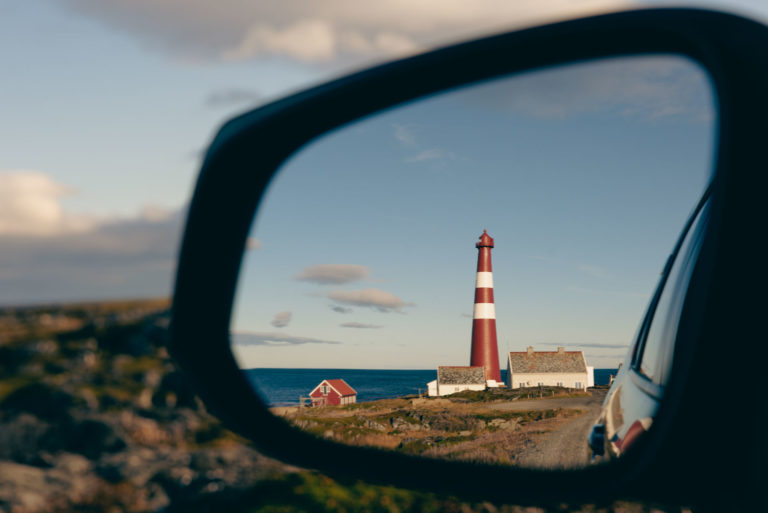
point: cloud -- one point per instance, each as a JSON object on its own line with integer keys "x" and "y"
{"x": 253, "y": 244}
{"x": 331, "y": 31}
{"x": 233, "y": 97}
{"x": 430, "y": 154}
{"x": 49, "y": 254}
{"x": 156, "y": 214}
{"x": 274, "y": 339}
{"x": 369, "y": 298}
{"x": 647, "y": 88}
{"x": 341, "y": 309}
{"x": 333, "y": 274}
{"x": 282, "y": 319}
{"x": 404, "y": 135}
{"x": 407, "y": 138}
{"x": 304, "y": 40}
{"x": 30, "y": 206}
{"x": 360, "y": 325}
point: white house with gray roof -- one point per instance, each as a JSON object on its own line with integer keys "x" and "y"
{"x": 548, "y": 368}
{"x": 457, "y": 379}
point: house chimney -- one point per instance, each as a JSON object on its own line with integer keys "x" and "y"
{"x": 560, "y": 350}
{"x": 485, "y": 348}
{"x": 530, "y": 350}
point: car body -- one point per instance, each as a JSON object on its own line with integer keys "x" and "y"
{"x": 633, "y": 399}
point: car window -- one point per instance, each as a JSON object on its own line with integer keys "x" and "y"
{"x": 656, "y": 355}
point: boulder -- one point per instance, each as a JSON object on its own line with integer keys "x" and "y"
{"x": 42, "y": 400}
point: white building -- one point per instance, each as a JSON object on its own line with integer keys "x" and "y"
{"x": 549, "y": 368}
{"x": 457, "y": 379}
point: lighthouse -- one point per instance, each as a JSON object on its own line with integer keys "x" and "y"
{"x": 485, "y": 351}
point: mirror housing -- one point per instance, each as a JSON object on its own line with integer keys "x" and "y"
{"x": 249, "y": 149}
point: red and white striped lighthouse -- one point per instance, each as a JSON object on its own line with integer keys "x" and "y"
{"x": 485, "y": 350}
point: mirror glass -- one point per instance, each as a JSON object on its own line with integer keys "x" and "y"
{"x": 461, "y": 277}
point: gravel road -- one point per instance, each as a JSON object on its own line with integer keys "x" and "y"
{"x": 566, "y": 445}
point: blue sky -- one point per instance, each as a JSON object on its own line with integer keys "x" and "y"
{"x": 107, "y": 106}
{"x": 584, "y": 185}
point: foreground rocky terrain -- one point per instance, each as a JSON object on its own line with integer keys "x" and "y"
{"x": 94, "y": 416}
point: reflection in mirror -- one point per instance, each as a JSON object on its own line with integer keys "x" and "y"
{"x": 461, "y": 277}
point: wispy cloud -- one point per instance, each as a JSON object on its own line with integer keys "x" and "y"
{"x": 274, "y": 339}
{"x": 376, "y": 299}
{"x": 404, "y": 135}
{"x": 430, "y": 154}
{"x": 645, "y": 88}
{"x": 333, "y": 274}
{"x": 282, "y": 319}
{"x": 360, "y": 325}
{"x": 341, "y": 309}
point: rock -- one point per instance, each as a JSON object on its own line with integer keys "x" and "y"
{"x": 143, "y": 430}
{"x": 32, "y": 489}
{"x": 22, "y": 438}
{"x": 507, "y": 424}
{"x": 91, "y": 438}
{"x": 401, "y": 424}
{"x": 372, "y": 424}
{"x": 89, "y": 398}
{"x": 42, "y": 400}
{"x": 136, "y": 466}
{"x": 144, "y": 398}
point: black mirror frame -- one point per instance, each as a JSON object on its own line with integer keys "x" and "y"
{"x": 250, "y": 148}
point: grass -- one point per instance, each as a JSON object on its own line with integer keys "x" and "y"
{"x": 460, "y": 429}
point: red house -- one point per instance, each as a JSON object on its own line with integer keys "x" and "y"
{"x": 333, "y": 392}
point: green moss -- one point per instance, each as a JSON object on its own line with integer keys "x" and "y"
{"x": 314, "y": 493}
{"x": 9, "y": 385}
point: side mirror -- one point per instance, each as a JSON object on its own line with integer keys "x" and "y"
{"x": 597, "y": 440}
{"x": 246, "y": 154}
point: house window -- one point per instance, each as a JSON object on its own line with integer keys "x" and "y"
{"x": 540, "y": 384}
{"x": 325, "y": 389}
{"x": 559, "y": 383}
{"x": 578, "y": 384}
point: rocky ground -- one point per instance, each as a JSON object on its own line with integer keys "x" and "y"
{"x": 94, "y": 416}
{"x": 97, "y": 417}
{"x": 465, "y": 426}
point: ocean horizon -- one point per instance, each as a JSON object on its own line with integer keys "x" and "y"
{"x": 283, "y": 387}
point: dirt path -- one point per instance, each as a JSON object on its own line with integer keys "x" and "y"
{"x": 565, "y": 446}
{"x": 577, "y": 403}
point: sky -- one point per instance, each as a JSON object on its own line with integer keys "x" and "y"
{"x": 583, "y": 175}
{"x": 107, "y": 106}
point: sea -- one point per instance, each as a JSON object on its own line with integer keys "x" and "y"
{"x": 283, "y": 387}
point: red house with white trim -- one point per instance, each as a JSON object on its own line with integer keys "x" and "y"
{"x": 333, "y": 392}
